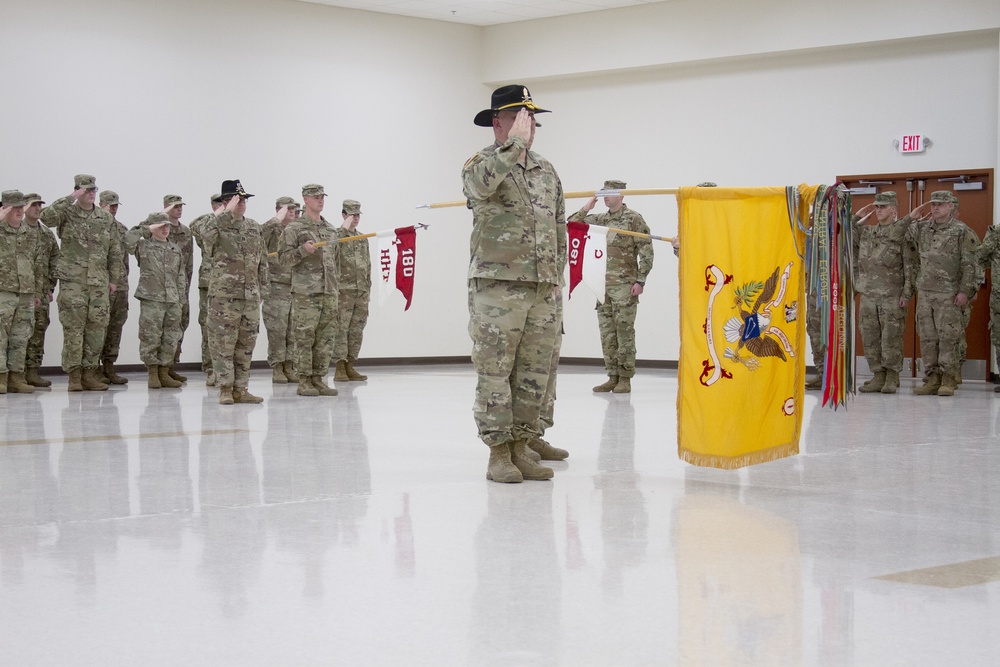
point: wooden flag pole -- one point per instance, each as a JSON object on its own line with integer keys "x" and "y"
{"x": 581, "y": 194}
{"x": 320, "y": 244}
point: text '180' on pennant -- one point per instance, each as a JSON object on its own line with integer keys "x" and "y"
{"x": 397, "y": 258}
{"x": 742, "y": 327}
{"x": 587, "y": 257}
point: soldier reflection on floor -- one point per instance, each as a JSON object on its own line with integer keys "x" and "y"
{"x": 166, "y": 494}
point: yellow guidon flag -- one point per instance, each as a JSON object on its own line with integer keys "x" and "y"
{"x": 742, "y": 320}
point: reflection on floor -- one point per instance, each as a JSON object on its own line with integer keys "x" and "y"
{"x": 144, "y": 527}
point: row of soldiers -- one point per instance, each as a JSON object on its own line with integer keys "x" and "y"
{"x": 929, "y": 252}
{"x": 315, "y": 290}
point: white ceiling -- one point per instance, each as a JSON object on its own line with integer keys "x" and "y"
{"x": 482, "y": 12}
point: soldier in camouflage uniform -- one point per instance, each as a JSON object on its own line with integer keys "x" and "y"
{"x": 354, "y": 281}
{"x": 49, "y": 254}
{"x": 278, "y": 302}
{"x": 162, "y": 281}
{"x": 947, "y": 274}
{"x": 988, "y": 256}
{"x": 518, "y": 253}
{"x": 89, "y": 270}
{"x": 235, "y": 248}
{"x": 629, "y": 261}
{"x": 118, "y": 303}
{"x": 21, "y": 276}
{"x": 882, "y": 260}
{"x": 173, "y": 206}
{"x": 314, "y": 291}
{"x": 204, "y": 270}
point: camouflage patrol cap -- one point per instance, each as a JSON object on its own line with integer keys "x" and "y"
{"x": 351, "y": 207}
{"x": 885, "y": 199}
{"x": 944, "y": 196}
{"x": 110, "y": 198}
{"x": 217, "y": 198}
{"x": 13, "y": 198}
{"x": 507, "y": 97}
{"x": 33, "y": 198}
{"x": 614, "y": 185}
{"x": 85, "y": 181}
{"x": 172, "y": 200}
{"x": 285, "y": 201}
{"x": 313, "y": 190}
{"x": 155, "y": 219}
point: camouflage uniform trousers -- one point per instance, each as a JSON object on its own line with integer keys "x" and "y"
{"x": 118, "y": 306}
{"x": 616, "y": 320}
{"x": 995, "y": 322}
{"x": 940, "y": 325}
{"x": 882, "y": 323}
{"x": 278, "y": 323}
{"x": 185, "y": 321}
{"x": 352, "y": 316}
{"x": 206, "y": 353}
{"x": 232, "y": 334}
{"x": 513, "y": 326}
{"x": 17, "y": 317}
{"x": 36, "y": 345}
{"x": 159, "y": 332}
{"x": 816, "y": 340}
{"x": 84, "y": 311}
{"x": 314, "y": 323}
{"x": 547, "y": 416}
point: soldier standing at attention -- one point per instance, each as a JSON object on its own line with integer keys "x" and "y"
{"x": 354, "y": 282}
{"x": 989, "y": 258}
{"x": 630, "y": 260}
{"x": 48, "y": 251}
{"x": 89, "y": 271}
{"x": 173, "y": 206}
{"x": 234, "y": 246}
{"x": 314, "y": 291}
{"x": 884, "y": 278}
{"x": 20, "y": 282}
{"x": 204, "y": 270}
{"x": 518, "y": 253}
{"x": 118, "y": 302}
{"x": 278, "y": 302}
{"x": 947, "y": 276}
{"x": 162, "y": 280}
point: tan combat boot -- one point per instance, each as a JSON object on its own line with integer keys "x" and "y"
{"x": 930, "y": 388}
{"x": 75, "y": 383}
{"x": 624, "y": 386}
{"x": 546, "y": 451}
{"x": 527, "y": 467}
{"x": 949, "y": 383}
{"x": 322, "y": 387}
{"x": 209, "y": 378}
{"x": 891, "y": 382}
{"x": 153, "y": 381}
{"x": 3, "y": 383}
{"x": 306, "y": 387}
{"x": 243, "y": 395}
{"x": 352, "y": 374}
{"x": 176, "y": 377}
{"x": 289, "y": 368}
{"x": 109, "y": 373}
{"x": 814, "y": 381}
{"x": 91, "y": 381}
{"x": 340, "y": 372}
{"x": 16, "y": 384}
{"x": 873, "y": 385}
{"x": 996, "y": 389}
{"x": 607, "y": 386}
{"x": 226, "y": 395}
{"x": 167, "y": 381}
{"x": 34, "y": 379}
{"x": 501, "y": 468}
{"x": 278, "y": 375}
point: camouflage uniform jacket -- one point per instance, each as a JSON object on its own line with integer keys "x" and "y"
{"x": 122, "y": 231}
{"x": 20, "y": 260}
{"x": 91, "y": 248}
{"x": 197, "y": 226}
{"x": 883, "y": 259}
{"x": 945, "y": 256}
{"x": 273, "y": 231}
{"x": 630, "y": 258}
{"x": 235, "y": 249}
{"x": 48, "y": 251}
{"x": 989, "y": 258}
{"x": 315, "y": 273}
{"x": 518, "y": 215}
{"x": 161, "y": 272}
{"x": 184, "y": 238}
{"x": 355, "y": 270}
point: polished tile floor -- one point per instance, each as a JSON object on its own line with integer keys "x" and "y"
{"x": 159, "y": 528}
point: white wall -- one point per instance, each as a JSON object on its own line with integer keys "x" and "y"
{"x": 177, "y": 96}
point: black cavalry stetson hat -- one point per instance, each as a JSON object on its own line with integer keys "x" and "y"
{"x": 234, "y": 187}
{"x": 507, "y": 97}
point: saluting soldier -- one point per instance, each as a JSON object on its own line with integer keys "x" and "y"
{"x": 21, "y": 279}
{"x": 48, "y": 250}
{"x": 118, "y": 302}
{"x": 204, "y": 271}
{"x": 278, "y": 301}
